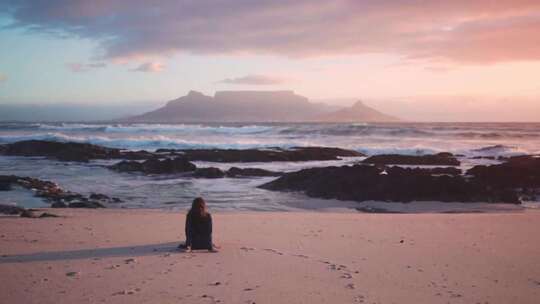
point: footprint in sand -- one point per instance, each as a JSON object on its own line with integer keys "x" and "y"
{"x": 72, "y": 274}
{"x": 251, "y": 289}
{"x": 273, "y": 251}
{"x": 113, "y": 267}
{"x": 346, "y": 276}
{"x": 212, "y": 298}
{"x": 359, "y": 299}
{"x": 126, "y": 292}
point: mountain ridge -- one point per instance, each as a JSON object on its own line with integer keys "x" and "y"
{"x": 256, "y": 106}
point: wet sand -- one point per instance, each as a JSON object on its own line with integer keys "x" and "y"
{"x": 129, "y": 256}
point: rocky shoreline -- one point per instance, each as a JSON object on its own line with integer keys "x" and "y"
{"x": 81, "y": 152}
{"x": 439, "y": 159}
{"x": 54, "y": 194}
{"x": 511, "y": 182}
{"x": 377, "y": 177}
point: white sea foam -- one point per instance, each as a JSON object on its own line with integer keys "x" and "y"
{"x": 461, "y": 138}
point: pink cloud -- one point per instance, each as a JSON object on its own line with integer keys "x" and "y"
{"x": 149, "y": 67}
{"x": 481, "y": 31}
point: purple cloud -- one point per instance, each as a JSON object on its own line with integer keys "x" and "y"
{"x": 459, "y": 30}
{"x": 253, "y": 80}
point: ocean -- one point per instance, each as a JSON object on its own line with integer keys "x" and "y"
{"x": 469, "y": 140}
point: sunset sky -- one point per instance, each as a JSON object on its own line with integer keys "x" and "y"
{"x": 443, "y": 56}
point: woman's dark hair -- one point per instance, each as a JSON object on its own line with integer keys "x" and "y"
{"x": 198, "y": 207}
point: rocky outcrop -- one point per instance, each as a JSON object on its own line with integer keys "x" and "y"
{"x": 269, "y": 155}
{"x": 250, "y": 172}
{"x": 86, "y": 204}
{"x": 5, "y": 186}
{"x": 364, "y": 182}
{"x": 156, "y": 166}
{"x": 56, "y": 196}
{"x": 443, "y": 170}
{"x": 210, "y": 172}
{"x": 10, "y": 209}
{"x": 69, "y": 151}
{"x": 516, "y": 172}
{"x": 80, "y": 152}
{"x": 440, "y": 159}
{"x": 62, "y": 151}
{"x": 23, "y": 212}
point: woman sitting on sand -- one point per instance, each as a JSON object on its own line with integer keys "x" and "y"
{"x": 199, "y": 227}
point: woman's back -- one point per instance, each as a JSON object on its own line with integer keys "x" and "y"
{"x": 199, "y": 226}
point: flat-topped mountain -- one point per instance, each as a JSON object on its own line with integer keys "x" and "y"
{"x": 254, "y": 106}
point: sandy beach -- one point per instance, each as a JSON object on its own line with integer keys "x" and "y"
{"x": 129, "y": 256}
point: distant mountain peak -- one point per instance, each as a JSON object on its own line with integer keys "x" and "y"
{"x": 358, "y": 103}
{"x": 193, "y": 93}
{"x": 256, "y": 106}
{"x": 358, "y": 112}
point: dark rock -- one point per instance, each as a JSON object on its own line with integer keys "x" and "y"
{"x": 99, "y": 197}
{"x": 440, "y": 159}
{"x": 5, "y": 186}
{"x": 210, "y": 172}
{"x": 368, "y": 209}
{"x": 137, "y": 155}
{"x": 10, "y": 209}
{"x": 46, "y": 214}
{"x": 52, "y": 193}
{"x": 239, "y": 172}
{"x": 269, "y": 155}
{"x": 516, "y": 172}
{"x": 444, "y": 170}
{"x": 72, "y": 156}
{"x": 59, "y": 205}
{"x": 362, "y": 183}
{"x": 89, "y": 204}
{"x": 156, "y": 166}
{"x": 127, "y": 166}
{"x": 69, "y": 151}
{"x": 168, "y": 166}
{"x": 166, "y": 151}
{"x": 28, "y": 214}
{"x": 22, "y": 212}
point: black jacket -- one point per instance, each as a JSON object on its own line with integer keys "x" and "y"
{"x": 199, "y": 231}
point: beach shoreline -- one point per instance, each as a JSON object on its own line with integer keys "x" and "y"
{"x": 129, "y": 256}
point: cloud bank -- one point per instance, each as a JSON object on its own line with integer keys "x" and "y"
{"x": 3, "y": 78}
{"x": 254, "y": 80}
{"x": 463, "y": 31}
